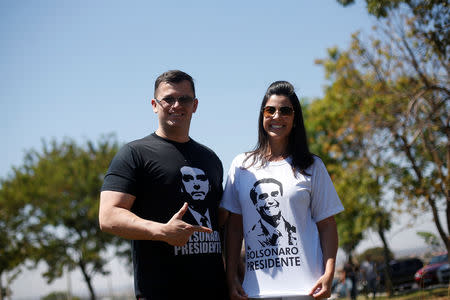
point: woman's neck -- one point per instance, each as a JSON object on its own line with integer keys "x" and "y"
{"x": 277, "y": 151}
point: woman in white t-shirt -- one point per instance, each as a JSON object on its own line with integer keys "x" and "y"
{"x": 281, "y": 200}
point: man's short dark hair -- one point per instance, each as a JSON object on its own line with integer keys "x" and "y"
{"x": 174, "y": 76}
{"x": 254, "y": 194}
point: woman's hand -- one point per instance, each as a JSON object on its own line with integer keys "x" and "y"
{"x": 322, "y": 288}
{"x": 329, "y": 242}
{"x": 236, "y": 290}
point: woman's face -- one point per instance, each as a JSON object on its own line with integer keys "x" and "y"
{"x": 279, "y": 124}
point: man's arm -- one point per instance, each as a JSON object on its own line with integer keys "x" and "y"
{"x": 115, "y": 217}
{"x": 329, "y": 243}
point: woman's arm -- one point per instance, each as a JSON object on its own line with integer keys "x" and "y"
{"x": 233, "y": 242}
{"x": 329, "y": 242}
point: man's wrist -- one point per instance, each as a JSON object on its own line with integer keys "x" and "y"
{"x": 156, "y": 231}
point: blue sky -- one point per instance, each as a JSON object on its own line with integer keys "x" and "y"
{"x": 86, "y": 68}
{"x": 81, "y": 69}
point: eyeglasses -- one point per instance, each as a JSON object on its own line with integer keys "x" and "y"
{"x": 284, "y": 111}
{"x": 169, "y": 101}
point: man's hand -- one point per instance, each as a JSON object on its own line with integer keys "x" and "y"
{"x": 176, "y": 232}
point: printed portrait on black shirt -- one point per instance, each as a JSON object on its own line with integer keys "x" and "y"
{"x": 195, "y": 187}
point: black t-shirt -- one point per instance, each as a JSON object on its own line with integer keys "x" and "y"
{"x": 162, "y": 175}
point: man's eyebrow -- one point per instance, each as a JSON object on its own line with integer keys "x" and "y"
{"x": 202, "y": 177}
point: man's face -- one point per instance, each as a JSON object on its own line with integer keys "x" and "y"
{"x": 195, "y": 182}
{"x": 178, "y": 115}
{"x": 268, "y": 199}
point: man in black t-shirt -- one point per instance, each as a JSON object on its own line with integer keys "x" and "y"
{"x": 162, "y": 192}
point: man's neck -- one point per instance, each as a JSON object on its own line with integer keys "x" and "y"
{"x": 173, "y": 136}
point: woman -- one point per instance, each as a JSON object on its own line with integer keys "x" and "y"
{"x": 281, "y": 199}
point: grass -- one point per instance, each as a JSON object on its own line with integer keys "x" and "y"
{"x": 438, "y": 293}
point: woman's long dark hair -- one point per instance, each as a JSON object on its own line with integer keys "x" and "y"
{"x": 297, "y": 146}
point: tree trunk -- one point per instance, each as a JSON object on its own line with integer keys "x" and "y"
{"x": 437, "y": 222}
{"x": 387, "y": 268}
{"x": 448, "y": 189}
{"x": 350, "y": 257}
{"x": 430, "y": 145}
{"x": 87, "y": 279}
{"x": 431, "y": 200}
{"x": 1, "y": 287}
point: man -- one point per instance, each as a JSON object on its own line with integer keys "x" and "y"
{"x": 196, "y": 187}
{"x": 142, "y": 200}
{"x": 369, "y": 275}
{"x": 272, "y": 229}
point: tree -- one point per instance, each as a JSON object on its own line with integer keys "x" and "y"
{"x": 58, "y": 191}
{"x": 323, "y": 125}
{"x": 376, "y": 255}
{"x": 405, "y": 99}
{"x": 15, "y": 245}
{"x": 431, "y": 240}
{"x": 338, "y": 135}
{"x": 58, "y": 296}
{"x": 385, "y": 114}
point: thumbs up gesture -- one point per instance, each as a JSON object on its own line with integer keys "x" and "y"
{"x": 176, "y": 232}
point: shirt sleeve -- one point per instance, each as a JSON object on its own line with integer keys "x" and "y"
{"x": 230, "y": 197}
{"x": 325, "y": 201}
{"x": 122, "y": 172}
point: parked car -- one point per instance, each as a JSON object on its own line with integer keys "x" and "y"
{"x": 428, "y": 275}
{"x": 402, "y": 273}
{"x": 443, "y": 273}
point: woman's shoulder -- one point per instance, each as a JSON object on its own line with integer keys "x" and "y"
{"x": 317, "y": 164}
{"x": 239, "y": 159}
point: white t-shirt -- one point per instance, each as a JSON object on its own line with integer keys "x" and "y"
{"x": 280, "y": 212}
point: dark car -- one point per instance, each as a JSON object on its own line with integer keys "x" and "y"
{"x": 428, "y": 275}
{"x": 443, "y": 273}
{"x": 402, "y": 273}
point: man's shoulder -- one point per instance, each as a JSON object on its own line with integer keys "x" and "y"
{"x": 140, "y": 148}
{"x": 205, "y": 149}
{"x": 148, "y": 144}
{"x": 142, "y": 141}
{"x": 201, "y": 146}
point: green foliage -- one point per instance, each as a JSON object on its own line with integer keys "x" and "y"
{"x": 430, "y": 20}
{"x": 375, "y": 254}
{"x": 430, "y": 239}
{"x": 386, "y": 112}
{"x": 58, "y": 296}
{"x": 15, "y": 245}
{"x": 336, "y": 131}
{"x": 54, "y": 198}
{"x": 378, "y": 8}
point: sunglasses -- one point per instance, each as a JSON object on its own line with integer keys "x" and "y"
{"x": 169, "y": 101}
{"x": 284, "y": 111}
